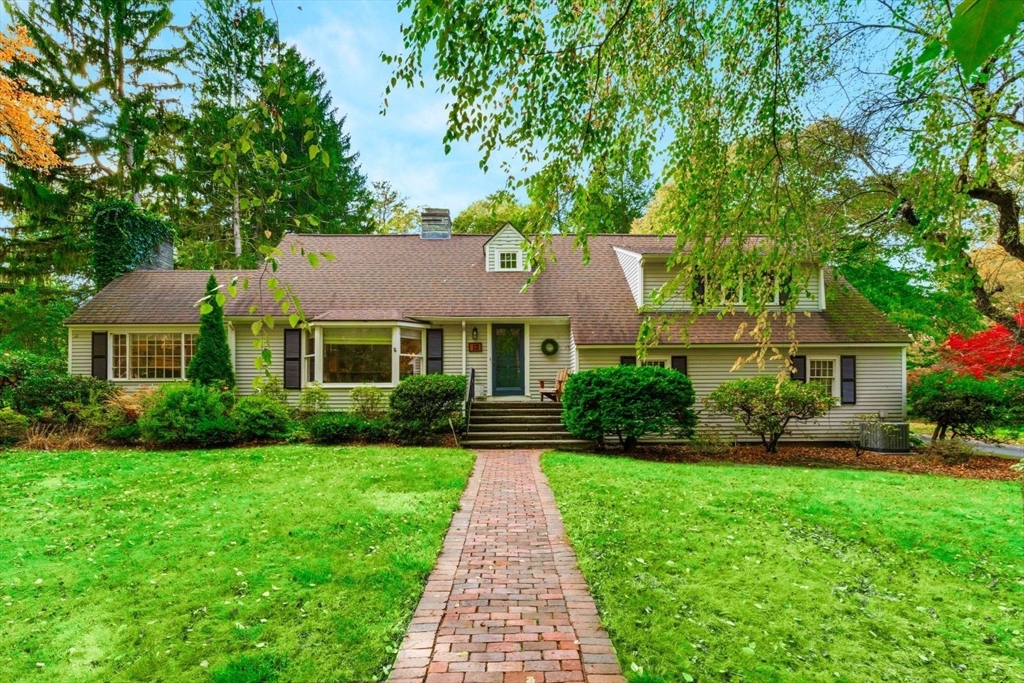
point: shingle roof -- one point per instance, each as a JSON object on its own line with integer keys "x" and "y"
{"x": 378, "y": 277}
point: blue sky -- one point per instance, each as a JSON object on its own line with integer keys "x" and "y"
{"x": 346, "y": 38}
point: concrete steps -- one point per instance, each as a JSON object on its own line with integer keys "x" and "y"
{"x": 519, "y": 424}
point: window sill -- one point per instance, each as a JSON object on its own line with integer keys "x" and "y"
{"x": 353, "y": 385}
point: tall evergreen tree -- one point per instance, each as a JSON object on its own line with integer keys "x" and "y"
{"x": 113, "y": 64}
{"x": 211, "y": 363}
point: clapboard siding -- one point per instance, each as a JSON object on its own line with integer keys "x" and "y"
{"x": 655, "y": 276}
{"x": 879, "y": 384}
{"x": 631, "y": 268}
{"x": 477, "y": 360}
{"x": 506, "y": 239}
{"x": 546, "y": 367}
{"x": 574, "y": 359}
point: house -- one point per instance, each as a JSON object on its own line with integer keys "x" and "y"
{"x": 388, "y": 306}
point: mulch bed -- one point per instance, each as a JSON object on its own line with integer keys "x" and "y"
{"x": 979, "y": 467}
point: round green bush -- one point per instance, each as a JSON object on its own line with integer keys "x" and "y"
{"x": 960, "y": 404}
{"x": 628, "y": 401}
{"x": 260, "y": 418}
{"x": 421, "y": 405}
{"x": 186, "y": 414}
{"x": 13, "y": 427}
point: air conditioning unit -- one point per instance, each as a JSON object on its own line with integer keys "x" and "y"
{"x": 885, "y": 437}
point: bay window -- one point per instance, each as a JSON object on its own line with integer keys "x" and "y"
{"x": 357, "y": 355}
{"x": 151, "y": 355}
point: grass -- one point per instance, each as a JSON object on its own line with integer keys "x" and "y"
{"x": 286, "y": 563}
{"x": 747, "y": 573}
{"x": 1013, "y": 436}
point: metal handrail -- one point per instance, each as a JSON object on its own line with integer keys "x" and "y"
{"x": 470, "y": 392}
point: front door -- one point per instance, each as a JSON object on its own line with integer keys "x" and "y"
{"x": 509, "y": 375}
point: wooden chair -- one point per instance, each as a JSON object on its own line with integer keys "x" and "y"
{"x": 560, "y": 380}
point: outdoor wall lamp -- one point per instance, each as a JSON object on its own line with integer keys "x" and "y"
{"x": 475, "y": 333}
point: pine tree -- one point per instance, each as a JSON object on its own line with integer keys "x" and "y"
{"x": 113, "y": 64}
{"x": 211, "y": 363}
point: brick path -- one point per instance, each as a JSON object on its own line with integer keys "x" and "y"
{"x": 505, "y": 602}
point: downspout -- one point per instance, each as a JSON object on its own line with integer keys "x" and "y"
{"x": 464, "y": 361}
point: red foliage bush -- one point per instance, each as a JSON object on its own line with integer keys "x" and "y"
{"x": 986, "y": 353}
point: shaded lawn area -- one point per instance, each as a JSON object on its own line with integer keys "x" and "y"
{"x": 752, "y": 573}
{"x": 287, "y": 563}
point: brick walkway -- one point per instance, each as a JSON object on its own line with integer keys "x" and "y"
{"x": 505, "y": 602}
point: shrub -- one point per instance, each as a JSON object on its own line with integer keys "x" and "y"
{"x": 421, "y": 405}
{"x": 708, "y": 443}
{"x": 41, "y": 387}
{"x": 271, "y": 386}
{"x": 951, "y": 451}
{"x": 332, "y": 428}
{"x": 211, "y": 363}
{"x": 963, "y": 405}
{"x": 122, "y": 435}
{"x": 13, "y": 427}
{"x": 313, "y": 399}
{"x": 369, "y": 403}
{"x": 628, "y": 401}
{"x": 189, "y": 415}
{"x": 260, "y": 418}
{"x": 765, "y": 406}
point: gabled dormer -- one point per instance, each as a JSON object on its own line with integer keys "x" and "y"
{"x": 646, "y": 274}
{"x": 505, "y": 251}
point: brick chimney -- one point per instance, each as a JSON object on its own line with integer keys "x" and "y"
{"x": 437, "y": 224}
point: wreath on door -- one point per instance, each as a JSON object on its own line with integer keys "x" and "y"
{"x": 549, "y": 347}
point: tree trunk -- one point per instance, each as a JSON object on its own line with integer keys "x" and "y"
{"x": 629, "y": 444}
{"x": 236, "y": 222}
{"x": 935, "y": 434}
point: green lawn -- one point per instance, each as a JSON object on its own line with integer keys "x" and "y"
{"x": 286, "y": 563}
{"x": 730, "y": 573}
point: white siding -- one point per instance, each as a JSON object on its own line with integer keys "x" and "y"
{"x": 880, "y": 373}
{"x": 477, "y": 360}
{"x": 546, "y": 367}
{"x": 574, "y": 359}
{"x": 506, "y": 239}
{"x": 631, "y": 268}
{"x": 655, "y": 276}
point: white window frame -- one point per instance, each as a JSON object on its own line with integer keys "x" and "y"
{"x": 128, "y": 356}
{"x": 652, "y": 363}
{"x": 322, "y": 331}
{"x": 835, "y": 372}
{"x": 518, "y": 258}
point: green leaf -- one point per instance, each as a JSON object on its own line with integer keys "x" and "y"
{"x": 205, "y": 308}
{"x": 257, "y": 327}
{"x": 266, "y": 356}
{"x": 313, "y": 260}
{"x": 980, "y": 27}
{"x": 325, "y": 157}
{"x": 268, "y": 320}
{"x": 220, "y": 299}
{"x": 272, "y": 283}
{"x": 931, "y": 51}
{"x": 313, "y": 151}
{"x": 293, "y": 320}
{"x": 308, "y": 136}
{"x": 284, "y": 157}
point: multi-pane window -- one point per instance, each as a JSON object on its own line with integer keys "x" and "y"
{"x": 653, "y": 363}
{"x": 822, "y": 371}
{"x": 151, "y": 356}
{"x": 508, "y": 260}
{"x": 410, "y": 357}
{"x": 310, "y": 356}
{"x": 357, "y": 355}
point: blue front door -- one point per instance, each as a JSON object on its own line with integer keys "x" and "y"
{"x": 507, "y": 363}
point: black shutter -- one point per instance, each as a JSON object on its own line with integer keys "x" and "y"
{"x": 293, "y": 359}
{"x": 435, "y": 352}
{"x": 848, "y": 379}
{"x": 785, "y": 284}
{"x": 799, "y": 373}
{"x": 627, "y": 360}
{"x": 99, "y": 355}
{"x": 679, "y": 363}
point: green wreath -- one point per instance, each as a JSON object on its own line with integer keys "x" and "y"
{"x": 549, "y": 347}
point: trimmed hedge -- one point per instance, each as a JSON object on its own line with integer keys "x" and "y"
{"x": 189, "y": 415}
{"x": 336, "y": 428}
{"x": 628, "y": 401}
{"x": 421, "y": 405}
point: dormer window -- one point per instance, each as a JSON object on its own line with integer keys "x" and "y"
{"x": 508, "y": 260}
